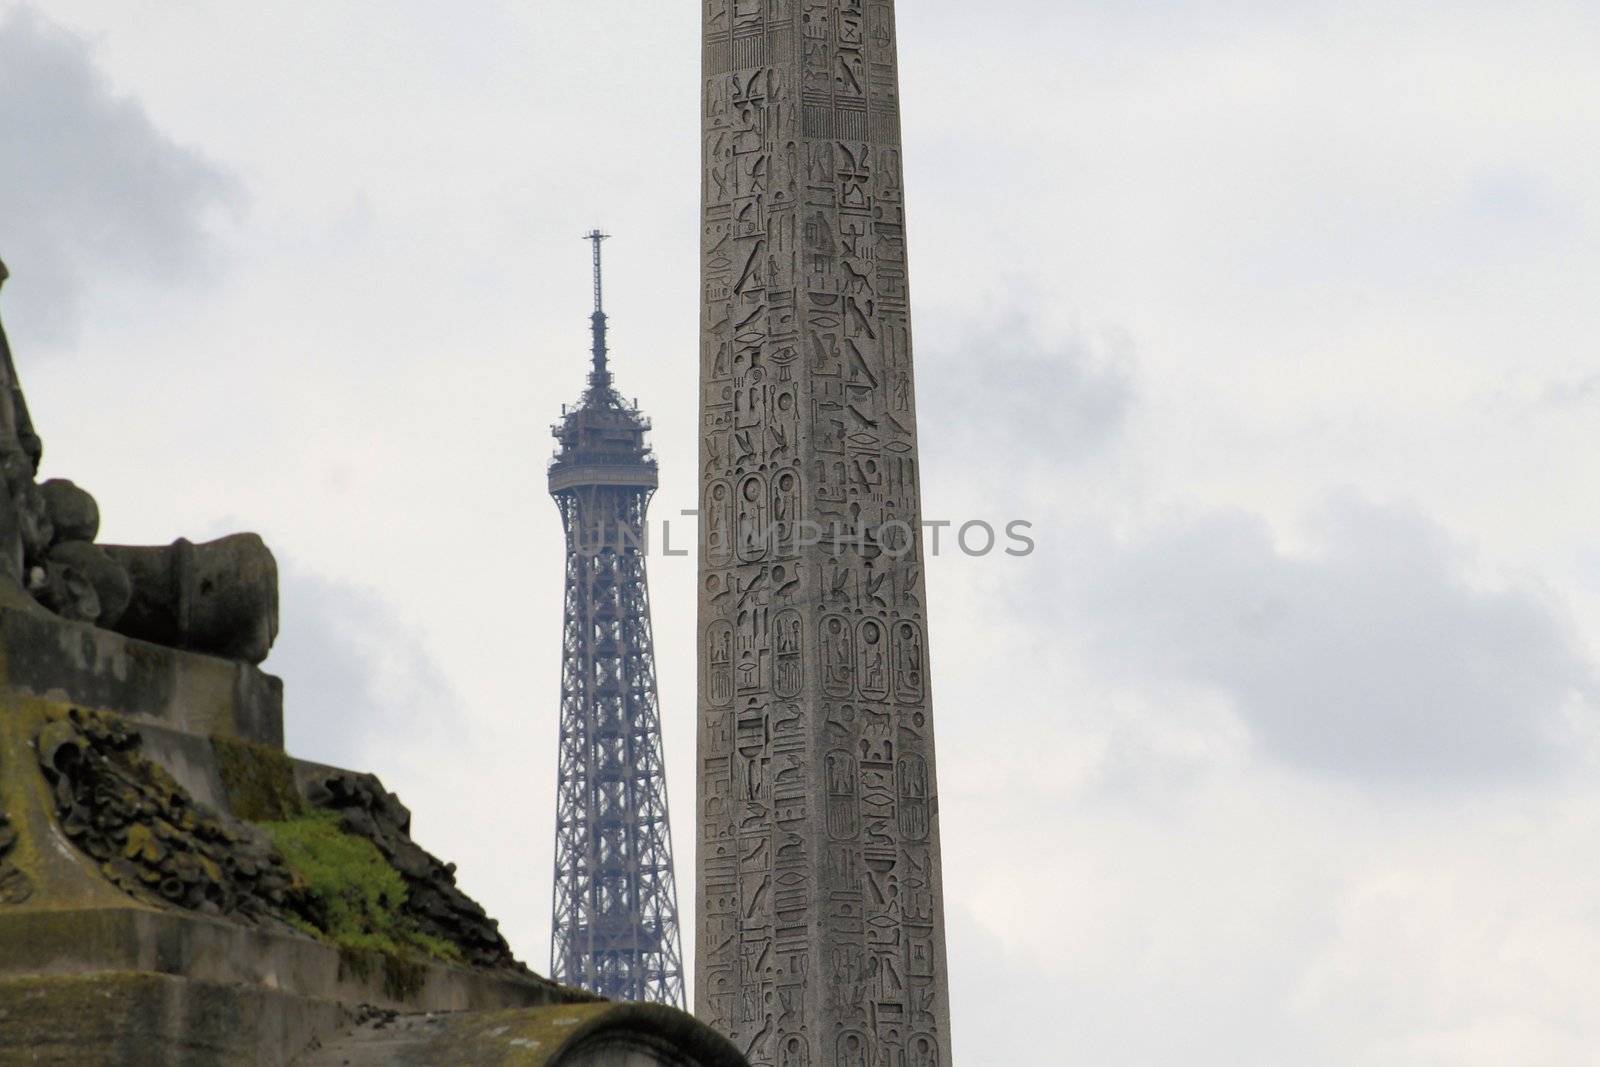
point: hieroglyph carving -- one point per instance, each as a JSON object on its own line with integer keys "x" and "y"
{"x": 821, "y": 919}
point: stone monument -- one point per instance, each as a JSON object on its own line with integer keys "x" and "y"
{"x": 820, "y": 911}
{"x": 174, "y": 887}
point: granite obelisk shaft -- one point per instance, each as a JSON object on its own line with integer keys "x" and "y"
{"x": 821, "y": 929}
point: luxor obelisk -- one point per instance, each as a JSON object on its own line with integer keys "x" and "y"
{"x": 821, "y": 927}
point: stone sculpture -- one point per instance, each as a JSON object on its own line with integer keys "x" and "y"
{"x": 219, "y": 598}
{"x": 128, "y": 815}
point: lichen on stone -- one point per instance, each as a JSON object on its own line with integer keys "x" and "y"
{"x": 149, "y": 838}
{"x": 15, "y": 887}
{"x": 341, "y": 868}
{"x": 257, "y": 780}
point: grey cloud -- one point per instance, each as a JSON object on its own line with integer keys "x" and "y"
{"x": 1001, "y": 395}
{"x": 89, "y": 186}
{"x": 1372, "y": 659}
{"x": 351, "y": 672}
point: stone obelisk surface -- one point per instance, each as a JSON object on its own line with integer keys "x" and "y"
{"x": 820, "y": 911}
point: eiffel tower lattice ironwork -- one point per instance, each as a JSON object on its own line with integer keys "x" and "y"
{"x": 615, "y": 918}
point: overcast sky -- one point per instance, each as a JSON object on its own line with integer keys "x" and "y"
{"x": 1278, "y": 321}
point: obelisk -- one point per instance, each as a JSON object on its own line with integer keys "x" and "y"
{"x": 821, "y": 926}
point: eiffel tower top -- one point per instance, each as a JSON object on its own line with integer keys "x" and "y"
{"x": 601, "y": 438}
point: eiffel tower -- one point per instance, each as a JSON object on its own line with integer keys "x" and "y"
{"x": 615, "y": 918}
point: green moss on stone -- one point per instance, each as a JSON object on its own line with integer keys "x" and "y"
{"x": 403, "y": 977}
{"x": 351, "y": 896}
{"x": 258, "y": 781}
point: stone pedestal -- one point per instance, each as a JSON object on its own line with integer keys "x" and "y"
{"x": 89, "y": 974}
{"x": 154, "y": 1020}
{"x": 92, "y": 974}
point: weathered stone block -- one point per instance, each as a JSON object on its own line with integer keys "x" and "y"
{"x": 90, "y": 667}
{"x": 154, "y": 1020}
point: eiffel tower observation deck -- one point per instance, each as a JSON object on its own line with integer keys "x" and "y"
{"x": 615, "y": 915}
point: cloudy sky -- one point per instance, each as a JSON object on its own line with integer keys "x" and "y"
{"x": 1278, "y": 321}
